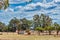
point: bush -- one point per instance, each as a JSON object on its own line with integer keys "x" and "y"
{"x": 39, "y": 28}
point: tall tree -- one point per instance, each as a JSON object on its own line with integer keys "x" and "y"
{"x": 42, "y": 20}
{"x": 45, "y": 20}
{"x": 57, "y": 27}
{"x": 36, "y": 21}
{"x": 1, "y": 27}
{"x": 25, "y": 24}
{"x": 13, "y": 24}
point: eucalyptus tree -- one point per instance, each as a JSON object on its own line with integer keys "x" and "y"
{"x": 45, "y": 20}
{"x": 2, "y": 25}
{"x": 36, "y": 20}
{"x": 57, "y": 27}
{"x": 42, "y": 20}
{"x": 13, "y": 24}
{"x": 25, "y": 24}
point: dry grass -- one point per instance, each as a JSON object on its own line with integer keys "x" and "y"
{"x": 14, "y": 36}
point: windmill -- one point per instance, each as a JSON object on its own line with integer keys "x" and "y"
{"x": 4, "y": 4}
{"x": 1, "y": 4}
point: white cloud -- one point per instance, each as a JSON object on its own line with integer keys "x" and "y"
{"x": 32, "y": 5}
{"x": 9, "y": 10}
{"x": 18, "y": 1}
{"x": 57, "y": 0}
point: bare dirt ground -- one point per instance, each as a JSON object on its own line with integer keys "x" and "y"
{"x": 15, "y": 36}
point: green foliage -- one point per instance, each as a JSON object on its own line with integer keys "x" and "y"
{"x": 13, "y": 24}
{"x": 36, "y": 20}
{"x": 25, "y": 24}
{"x": 5, "y": 29}
{"x": 57, "y": 26}
{"x": 1, "y": 26}
{"x": 18, "y": 27}
{"x": 49, "y": 28}
{"x": 39, "y": 28}
{"x": 41, "y": 23}
{"x": 42, "y": 20}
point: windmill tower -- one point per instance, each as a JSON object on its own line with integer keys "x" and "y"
{"x": 1, "y": 4}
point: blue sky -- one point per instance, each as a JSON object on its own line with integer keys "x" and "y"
{"x": 28, "y": 8}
